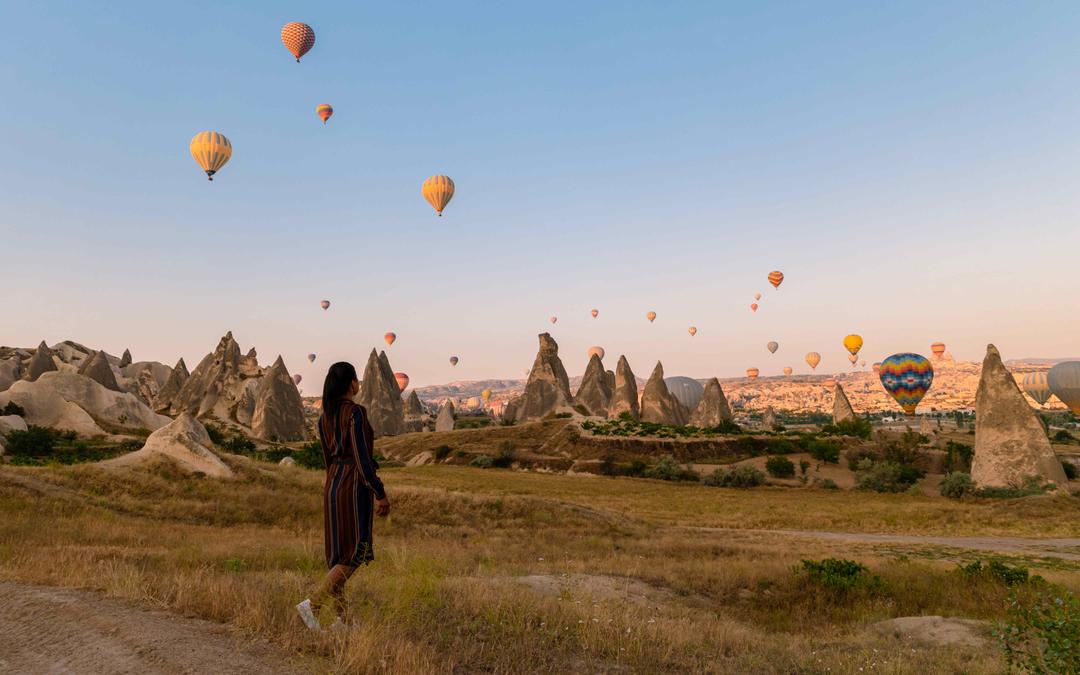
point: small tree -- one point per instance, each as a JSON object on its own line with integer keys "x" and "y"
{"x": 779, "y": 466}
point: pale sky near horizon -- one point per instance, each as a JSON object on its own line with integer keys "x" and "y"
{"x": 912, "y": 169}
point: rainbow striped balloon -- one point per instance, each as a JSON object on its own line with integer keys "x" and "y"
{"x": 907, "y": 378}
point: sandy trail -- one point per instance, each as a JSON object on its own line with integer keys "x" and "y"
{"x": 60, "y": 630}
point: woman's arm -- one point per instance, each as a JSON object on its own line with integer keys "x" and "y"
{"x": 362, "y": 449}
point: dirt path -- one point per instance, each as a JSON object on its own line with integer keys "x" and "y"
{"x": 59, "y": 630}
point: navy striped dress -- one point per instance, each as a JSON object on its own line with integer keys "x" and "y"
{"x": 352, "y": 484}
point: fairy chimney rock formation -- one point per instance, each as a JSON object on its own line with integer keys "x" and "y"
{"x": 713, "y": 409}
{"x": 548, "y": 387}
{"x": 413, "y": 406}
{"x": 624, "y": 398}
{"x": 125, "y": 360}
{"x": 279, "y": 412}
{"x": 658, "y": 405}
{"x": 445, "y": 420}
{"x": 215, "y": 387}
{"x": 841, "y": 407}
{"x": 42, "y": 362}
{"x": 172, "y": 386}
{"x": 97, "y": 368}
{"x": 595, "y": 390}
{"x": 1010, "y": 442}
{"x": 768, "y": 420}
{"x": 381, "y": 397}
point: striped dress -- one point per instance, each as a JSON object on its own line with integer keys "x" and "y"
{"x": 352, "y": 484}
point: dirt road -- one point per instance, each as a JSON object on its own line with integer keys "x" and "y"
{"x": 59, "y": 630}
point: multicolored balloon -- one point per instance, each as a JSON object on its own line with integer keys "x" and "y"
{"x": 325, "y": 304}
{"x": 298, "y": 38}
{"x": 1064, "y": 381}
{"x": 325, "y": 111}
{"x": 752, "y": 373}
{"x": 813, "y": 358}
{"x": 453, "y": 360}
{"x": 1037, "y": 386}
{"x": 438, "y": 191}
{"x": 211, "y": 150}
{"x": 402, "y": 381}
{"x": 692, "y": 330}
{"x": 596, "y": 351}
{"x": 651, "y": 316}
{"x": 938, "y": 349}
{"x": 390, "y": 338}
{"x": 907, "y": 377}
{"x": 772, "y": 346}
{"x": 853, "y": 343}
{"x": 776, "y": 277}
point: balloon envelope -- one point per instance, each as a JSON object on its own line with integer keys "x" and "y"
{"x": 752, "y": 373}
{"x": 776, "y": 278}
{"x": 298, "y": 38}
{"x": 753, "y": 306}
{"x": 651, "y": 316}
{"x": 311, "y": 358}
{"x": 788, "y": 370}
{"x": 211, "y": 150}
{"x": 692, "y": 330}
{"x": 907, "y": 377}
{"x": 595, "y": 313}
{"x": 772, "y": 346}
{"x": 553, "y": 319}
{"x": 938, "y": 349}
{"x": 1064, "y": 381}
{"x": 325, "y": 304}
{"x": 1037, "y": 386}
{"x": 325, "y": 111}
{"x": 402, "y": 381}
{"x": 486, "y": 395}
{"x": 686, "y": 390}
{"x": 813, "y": 358}
{"x": 598, "y": 351}
{"x": 389, "y": 337}
{"x": 853, "y": 343}
{"x": 296, "y": 378}
{"x": 757, "y": 296}
{"x": 438, "y": 191}
{"x": 453, "y": 360}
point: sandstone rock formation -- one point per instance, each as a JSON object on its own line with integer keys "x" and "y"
{"x": 841, "y": 407}
{"x": 168, "y": 392}
{"x": 11, "y": 370}
{"x": 183, "y": 441}
{"x": 381, "y": 397}
{"x": 768, "y": 420}
{"x": 42, "y": 362}
{"x": 1010, "y": 442}
{"x": 548, "y": 387}
{"x": 624, "y": 397}
{"x": 657, "y": 403}
{"x": 713, "y": 407}
{"x": 287, "y": 462}
{"x": 279, "y": 412}
{"x": 125, "y": 360}
{"x": 445, "y": 420}
{"x": 595, "y": 391}
{"x": 413, "y": 406}
{"x": 97, "y": 368}
{"x": 71, "y": 401}
{"x": 144, "y": 379}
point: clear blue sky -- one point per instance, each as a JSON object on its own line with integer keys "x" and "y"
{"x": 912, "y": 169}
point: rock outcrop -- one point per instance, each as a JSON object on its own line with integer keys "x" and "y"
{"x": 713, "y": 408}
{"x": 624, "y": 397}
{"x": 413, "y": 406}
{"x": 97, "y": 368}
{"x": 279, "y": 412}
{"x": 548, "y": 387}
{"x": 125, "y": 359}
{"x": 595, "y": 391}
{"x": 768, "y": 420}
{"x": 224, "y": 386}
{"x": 1010, "y": 442}
{"x": 657, "y": 403}
{"x": 144, "y": 379}
{"x": 381, "y": 397}
{"x": 11, "y": 370}
{"x": 183, "y": 441}
{"x": 445, "y": 420}
{"x": 169, "y": 391}
{"x": 42, "y": 362}
{"x": 841, "y": 407}
{"x": 119, "y": 409}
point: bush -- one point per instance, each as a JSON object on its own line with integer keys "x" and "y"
{"x": 667, "y": 468}
{"x": 237, "y": 444}
{"x": 885, "y": 476}
{"x": 958, "y": 456}
{"x": 744, "y": 476}
{"x": 34, "y": 442}
{"x": 442, "y": 452}
{"x": 215, "y": 434}
{"x": 826, "y": 484}
{"x": 856, "y": 426}
{"x": 956, "y": 485}
{"x": 838, "y": 574}
{"x": 827, "y": 452}
{"x": 1041, "y": 633}
{"x": 1071, "y": 472}
{"x": 803, "y": 466}
{"x": 504, "y": 457}
{"x": 482, "y": 462}
{"x": 854, "y": 457}
{"x": 13, "y": 408}
{"x": 1063, "y": 436}
{"x": 1032, "y": 485}
{"x": 999, "y": 571}
{"x": 906, "y": 451}
{"x": 779, "y": 466}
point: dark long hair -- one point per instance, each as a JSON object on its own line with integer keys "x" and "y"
{"x": 336, "y": 387}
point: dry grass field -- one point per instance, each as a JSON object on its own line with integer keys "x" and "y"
{"x": 498, "y": 571}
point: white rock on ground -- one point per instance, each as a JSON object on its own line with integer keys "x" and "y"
{"x": 183, "y": 441}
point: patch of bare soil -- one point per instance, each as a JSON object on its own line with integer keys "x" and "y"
{"x": 936, "y": 631}
{"x": 598, "y": 588}
{"x": 60, "y": 630}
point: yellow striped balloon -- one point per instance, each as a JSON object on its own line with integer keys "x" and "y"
{"x": 211, "y": 150}
{"x": 438, "y": 191}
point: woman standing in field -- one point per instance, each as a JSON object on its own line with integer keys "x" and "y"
{"x": 352, "y": 493}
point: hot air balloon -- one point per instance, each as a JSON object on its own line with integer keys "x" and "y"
{"x": 390, "y": 338}
{"x": 853, "y": 358}
{"x": 453, "y": 360}
{"x": 753, "y": 306}
{"x": 298, "y": 38}
{"x": 907, "y": 377}
{"x": 853, "y": 343}
{"x": 938, "y": 349}
{"x": 311, "y": 358}
{"x": 813, "y": 358}
{"x": 772, "y": 346}
{"x": 325, "y": 111}
{"x": 595, "y": 313}
{"x": 1064, "y": 381}
{"x": 776, "y": 278}
{"x": 757, "y": 296}
{"x": 692, "y": 330}
{"x": 752, "y": 373}
{"x": 553, "y": 320}
{"x": 325, "y": 304}
{"x": 788, "y": 371}
{"x": 486, "y": 395}
{"x": 402, "y": 381}
{"x": 877, "y": 367}
{"x": 1037, "y": 386}
{"x": 597, "y": 351}
{"x": 297, "y": 378}
{"x": 651, "y": 316}
{"x": 438, "y": 191}
{"x": 211, "y": 151}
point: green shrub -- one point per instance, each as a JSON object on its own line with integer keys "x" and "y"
{"x": 854, "y": 457}
{"x": 997, "y": 570}
{"x": 856, "y": 426}
{"x": 1041, "y": 633}
{"x": 667, "y": 468}
{"x": 217, "y": 437}
{"x": 958, "y": 456}
{"x": 13, "y": 408}
{"x": 744, "y": 476}
{"x": 827, "y": 452}
{"x": 1071, "y": 472}
{"x": 885, "y": 476}
{"x": 907, "y": 451}
{"x": 1063, "y": 436}
{"x": 34, "y": 442}
{"x": 838, "y": 574}
{"x": 442, "y": 452}
{"x": 1032, "y": 485}
{"x": 237, "y": 444}
{"x": 803, "y": 466}
{"x": 779, "y": 466}
{"x": 482, "y": 462}
{"x": 956, "y": 485}
{"x": 826, "y": 484}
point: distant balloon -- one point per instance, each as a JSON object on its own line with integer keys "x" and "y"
{"x": 853, "y": 343}
{"x": 211, "y": 151}
{"x": 776, "y": 278}
{"x": 788, "y": 371}
{"x": 1037, "y": 386}
{"x": 772, "y": 346}
{"x": 453, "y": 360}
{"x": 907, "y": 377}
{"x": 438, "y": 191}
{"x": 402, "y": 381}
{"x": 298, "y": 38}
{"x": 692, "y": 330}
{"x": 598, "y": 351}
{"x": 486, "y": 395}
{"x": 686, "y": 390}
{"x": 938, "y": 349}
{"x": 325, "y": 111}
{"x": 813, "y": 358}
{"x": 753, "y": 306}
{"x": 651, "y": 316}
{"x": 325, "y": 304}
{"x": 311, "y": 358}
{"x": 752, "y": 373}
{"x": 595, "y": 313}
{"x": 1064, "y": 381}
{"x": 553, "y": 320}
{"x": 757, "y": 296}
{"x": 390, "y": 338}
{"x": 297, "y": 378}
{"x": 853, "y": 358}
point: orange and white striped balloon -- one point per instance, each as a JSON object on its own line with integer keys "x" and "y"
{"x": 776, "y": 278}
{"x": 438, "y": 191}
{"x": 298, "y": 38}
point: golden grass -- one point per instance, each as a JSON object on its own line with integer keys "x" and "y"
{"x": 442, "y": 598}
